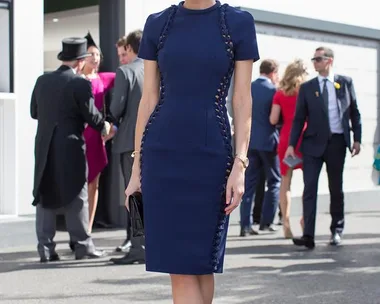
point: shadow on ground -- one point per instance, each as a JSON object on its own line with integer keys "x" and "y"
{"x": 269, "y": 273}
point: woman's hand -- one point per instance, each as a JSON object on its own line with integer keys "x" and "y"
{"x": 235, "y": 186}
{"x": 134, "y": 185}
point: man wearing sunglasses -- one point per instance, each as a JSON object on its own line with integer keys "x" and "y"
{"x": 328, "y": 104}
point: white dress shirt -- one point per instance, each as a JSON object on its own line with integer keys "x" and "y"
{"x": 333, "y": 109}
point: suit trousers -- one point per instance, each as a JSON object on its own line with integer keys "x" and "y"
{"x": 77, "y": 220}
{"x": 269, "y": 161}
{"x": 138, "y": 244}
{"x": 334, "y": 157}
{"x": 259, "y": 198}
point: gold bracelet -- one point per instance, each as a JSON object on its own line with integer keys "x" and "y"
{"x": 243, "y": 159}
{"x": 134, "y": 153}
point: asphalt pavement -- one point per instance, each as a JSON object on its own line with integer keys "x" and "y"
{"x": 262, "y": 269}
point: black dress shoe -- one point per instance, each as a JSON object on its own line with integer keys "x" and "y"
{"x": 125, "y": 247}
{"x": 72, "y": 246}
{"x": 250, "y": 231}
{"x": 306, "y": 241}
{"x": 53, "y": 258}
{"x": 92, "y": 255}
{"x": 128, "y": 259}
{"x": 270, "y": 228}
{"x": 336, "y": 239}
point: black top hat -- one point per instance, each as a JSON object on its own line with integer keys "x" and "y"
{"x": 73, "y": 48}
{"x": 91, "y": 42}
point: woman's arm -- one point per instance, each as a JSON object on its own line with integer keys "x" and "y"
{"x": 242, "y": 109}
{"x": 147, "y": 105}
{"x": 242, "y": 105}
{"x": 275, "y": 114}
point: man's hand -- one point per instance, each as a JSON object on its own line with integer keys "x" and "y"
{"x": 355, "y": 149}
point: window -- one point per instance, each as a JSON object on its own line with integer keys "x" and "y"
{"x": 6, "y": 50}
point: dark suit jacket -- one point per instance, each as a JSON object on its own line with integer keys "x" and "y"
{"x": 311, "y": 109}
{"x": 125, "y": 104}
{"x": 62, "y": 102}
{"x": 264, "y": 136}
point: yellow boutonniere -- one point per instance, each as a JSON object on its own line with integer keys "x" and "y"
{"x": 316, "y": 93}
{"x": 336, "y": 85}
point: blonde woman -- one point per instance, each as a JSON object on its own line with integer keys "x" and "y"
{"x": 284, "y": 106}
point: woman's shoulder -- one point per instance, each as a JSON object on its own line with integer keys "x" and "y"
{"x": 284, "y": 96}
{"x": 237, "y": 18}
{"x": 279, "y": 93}
{"x": 106, "y": 75}
{"x": 158, "y": 20}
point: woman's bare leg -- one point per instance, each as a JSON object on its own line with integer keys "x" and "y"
{"x": 285, "y": 202}
{"x": 92, "y": 201}
{"x": 186, "y": 289}
{"x": 207, "y": 285}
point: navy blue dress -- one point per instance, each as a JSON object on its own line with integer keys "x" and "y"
{"x": 186, "y": 153}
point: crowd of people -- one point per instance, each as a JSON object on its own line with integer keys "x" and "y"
{"x": 169, "y": 121}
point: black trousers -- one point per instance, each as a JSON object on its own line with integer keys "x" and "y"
{"x": 334, "y": 158}
{"x": 126, "y": 162}
{"x": 259, "y": 198}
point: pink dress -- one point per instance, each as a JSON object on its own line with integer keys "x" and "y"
{"x": 95, "y": 149}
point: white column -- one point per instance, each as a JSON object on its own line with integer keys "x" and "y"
{"x": 28, "y": 65}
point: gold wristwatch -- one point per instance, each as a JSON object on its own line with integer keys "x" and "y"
{"x": 244, "y": 160}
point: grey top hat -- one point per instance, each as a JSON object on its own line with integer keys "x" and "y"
{"x": 73, "y": 49}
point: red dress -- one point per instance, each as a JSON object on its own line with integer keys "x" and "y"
{"x": 95, "y": 150}
{"x": 288, "y": 109}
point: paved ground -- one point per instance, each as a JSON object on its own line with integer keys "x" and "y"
{"x": 263, "y": 269}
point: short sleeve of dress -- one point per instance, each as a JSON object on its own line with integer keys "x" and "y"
{"x": 148, "y": 45}
{"x": 243, "y": 33}
{"x": 277, "y": 98}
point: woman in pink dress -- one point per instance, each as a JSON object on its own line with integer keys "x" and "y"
{"x": 284, "y": 106}
{"x": 95, "y": 148}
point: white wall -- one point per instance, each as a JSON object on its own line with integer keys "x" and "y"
{"x": 28, "y": 65}
{"x": 358, "y": 13}
{"x": 73, "y": 23}
{"x": 77, "y": 22}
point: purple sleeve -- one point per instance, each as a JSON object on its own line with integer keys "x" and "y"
{"x": 108, "y": 79}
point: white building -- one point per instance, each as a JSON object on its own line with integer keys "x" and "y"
{"x": 286, "y": 29}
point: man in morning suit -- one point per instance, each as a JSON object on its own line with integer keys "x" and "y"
{"x": 327, "y": 104}
{"x": 124, "y": 107}
{"x": 62, "y": 103}
{"x": 262, "y": 151}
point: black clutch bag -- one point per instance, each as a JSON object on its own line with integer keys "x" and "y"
{"x": 137, "y": 214}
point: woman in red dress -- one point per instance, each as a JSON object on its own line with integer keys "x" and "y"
{"x": 284, "y": 106}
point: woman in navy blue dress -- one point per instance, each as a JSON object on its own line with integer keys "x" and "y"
{"x": 186, "y": 170}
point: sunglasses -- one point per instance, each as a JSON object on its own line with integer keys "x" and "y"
{"x": 319, "y": 58}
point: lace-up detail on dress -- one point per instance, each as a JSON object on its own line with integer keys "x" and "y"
{"x": 160, "y": 45}
{"x": 220, "y": 110}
